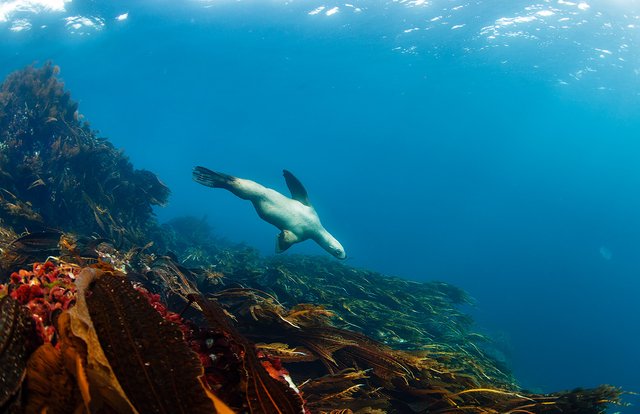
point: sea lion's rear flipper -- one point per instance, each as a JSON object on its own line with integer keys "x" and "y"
{"x": 297, "y": 189}
{"x": 284, "y": 240}
{"x": 213, "y": 179}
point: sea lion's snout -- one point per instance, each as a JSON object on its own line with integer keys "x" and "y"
{"x": 332, "y": 245}
{"x": 338, "y": 252}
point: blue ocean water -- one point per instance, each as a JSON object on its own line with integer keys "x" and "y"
{"x": 491, "y": 144}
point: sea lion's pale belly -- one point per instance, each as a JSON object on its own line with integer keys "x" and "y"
{"x": 286, "y": 214}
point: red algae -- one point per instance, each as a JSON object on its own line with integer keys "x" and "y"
{"x": 46, "y": 290}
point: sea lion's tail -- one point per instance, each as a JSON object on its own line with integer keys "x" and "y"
{"x": 214, "y": 179}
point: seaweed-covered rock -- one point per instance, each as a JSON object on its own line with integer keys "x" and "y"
{"x": 56, "y": 172}
{"x": 397, "y": 312}
{"x": 193, "y": 239}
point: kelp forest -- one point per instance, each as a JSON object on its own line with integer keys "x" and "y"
{"x": 105, "y": 310}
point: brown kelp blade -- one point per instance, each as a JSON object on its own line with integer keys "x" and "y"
{"x": 38, "y": 242}
{"x": 154, "y": 365}
{"x": 264, "y": 394}
{"x": 30, "y": 248}
{"x": 336, "y": 348}
{"x": 344, "y": 392}
{"x": 17, "y": 341}
{"x": 79, "y": 340}
{"x": 172, "y": 281}
{"x": 50, "y": 387}
{"x": 285, "y": 353}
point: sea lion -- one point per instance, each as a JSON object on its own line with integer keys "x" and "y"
{"x": 295, "y": 216}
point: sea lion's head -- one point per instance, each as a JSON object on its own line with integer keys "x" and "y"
{"x": 334, "y": 247}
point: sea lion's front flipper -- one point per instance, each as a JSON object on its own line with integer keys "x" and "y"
{"x": 284, "y": 240}
{"x": 297, "y": 189}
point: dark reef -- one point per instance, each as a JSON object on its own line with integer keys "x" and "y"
{"x": 104, "y": 310}
{"x": 56, "y": 172}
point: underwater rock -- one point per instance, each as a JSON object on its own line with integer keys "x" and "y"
{"x": 55, "y": 172}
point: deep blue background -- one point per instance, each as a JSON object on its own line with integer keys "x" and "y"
{"x": 459, "y": 168}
